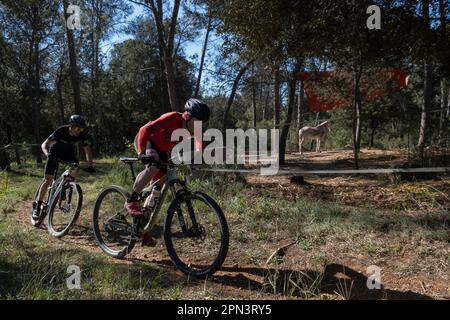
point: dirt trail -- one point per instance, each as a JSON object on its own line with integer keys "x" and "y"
{"x": 379, "y": 191}
{"x": 251, "y": 281}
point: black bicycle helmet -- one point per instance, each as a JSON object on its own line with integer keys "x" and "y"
{"x": 77, "y": 121}
{"x": 197, "y": 109}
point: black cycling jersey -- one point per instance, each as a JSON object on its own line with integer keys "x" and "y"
{"x": 62, "y": 135}
{"x": 63, "y": 149}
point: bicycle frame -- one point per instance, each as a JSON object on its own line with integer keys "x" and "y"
{"x": 62, "y": 177}
{"x": 171, "y": 179}
{"x": 183, "y": 227}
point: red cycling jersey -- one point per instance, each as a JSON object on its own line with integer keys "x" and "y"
{"x": 159, "y": 132}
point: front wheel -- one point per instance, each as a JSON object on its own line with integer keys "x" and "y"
{"x": 196, "y": 234}
{"x": 64, "y": 210}
{"x": 113, "y": 226}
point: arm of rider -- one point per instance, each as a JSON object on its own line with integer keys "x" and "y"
{"x": 89, "y": 157}
{"x": 143, "y": 139}
{"x": 45, "y": 146}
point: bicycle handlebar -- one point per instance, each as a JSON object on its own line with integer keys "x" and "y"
{"x": 74, "y": 165}
{"x": 145, "y": 160}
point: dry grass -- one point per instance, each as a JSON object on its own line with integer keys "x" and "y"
{"x": 405, "y": 231}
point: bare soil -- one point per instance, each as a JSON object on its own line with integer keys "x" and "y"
{"x": 344, "y": 275}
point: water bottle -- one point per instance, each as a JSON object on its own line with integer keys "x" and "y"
{"x": 152, "y": 199}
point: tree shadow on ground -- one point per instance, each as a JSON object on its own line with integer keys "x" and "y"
{"x": 38, "y": 271}
{"x": 336, "y": 279}
{"x": 80, "y": 232}
{"x": 311, "y": 283}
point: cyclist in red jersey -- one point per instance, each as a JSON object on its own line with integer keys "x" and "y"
{"x": 154, "y": 140}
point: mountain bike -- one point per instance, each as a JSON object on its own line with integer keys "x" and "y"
{"x": 195, "y": 229}
{"x": 62, "y": 204}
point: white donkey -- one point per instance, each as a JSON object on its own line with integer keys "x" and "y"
{"x": 318, "y": 133}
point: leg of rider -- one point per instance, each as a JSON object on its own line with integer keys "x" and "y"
{"x": 132, "y": 205}
{"x": 142, "y": 180}
{"x": 74, "y": 172}
{"x": 49, "y": 172}
{"x": 147, "y": 238}
{"x": 46, "y": 182}
{"x": 41, "y": 194}
{"x": 50, "y": 167}
{"x": 72, "y": 158}
{"x": 145, "y": 176}
{"x": 156, "y": 192}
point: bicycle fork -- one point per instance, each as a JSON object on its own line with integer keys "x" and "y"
{"x": 63, "y": 196}
{"x": 194, "y": 230}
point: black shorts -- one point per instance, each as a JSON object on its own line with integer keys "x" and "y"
{"x": 163, "y": 157}
{"x": 54, "y": 158}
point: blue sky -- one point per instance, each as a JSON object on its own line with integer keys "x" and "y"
{"x": 191, "y": 48}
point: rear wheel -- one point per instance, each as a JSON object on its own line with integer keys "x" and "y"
{"x": 196, "y": 234}
{"x": 64, "y": 210}
{"x": 113, "y": 226}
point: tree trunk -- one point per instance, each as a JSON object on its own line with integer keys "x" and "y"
{"x": 167, "y": 48}
{"x": 300, "y": 113}
{"x": 374, "y": 125}
{"x": 4, "y": 156}
{"x": 261, "y": 91}
{"x": 165, "y": 103}
{"x": 74, "y": 72}
{"x": 442, "y": 118}
{"x": 59, "y": 80}
{"x": 10, "y": 141}
{"x": 444, "y": 89}
{"x": 35, "y": 104}
{"x": 17, "y": 154}
{"x": 233, "y": 92}
{"x": 60, "y": 103}
{"x": 171, "y": 85}
{"x": 448, "y": 105}
{"x": 266, "y": 103}
{"x": 428, "y": 93}
{"x": 428, "y": 79}
{"x": 254, "y": 98}
{"x": 33, "y": 83}
{"x": 164, "y": 95}
{"x": 202, "y": 60}
{"x": 357, "y": 118}
{"x": 97, "y": 10}
{"x": 276, "y": 96}
{"x": 4, "y": 160}
{"x": 285, "y": 130}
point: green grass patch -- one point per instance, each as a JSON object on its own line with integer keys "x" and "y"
{"x": 34, "y": 266}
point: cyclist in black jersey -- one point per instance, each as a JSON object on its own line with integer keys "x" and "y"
{"x": 60, "y": 146}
